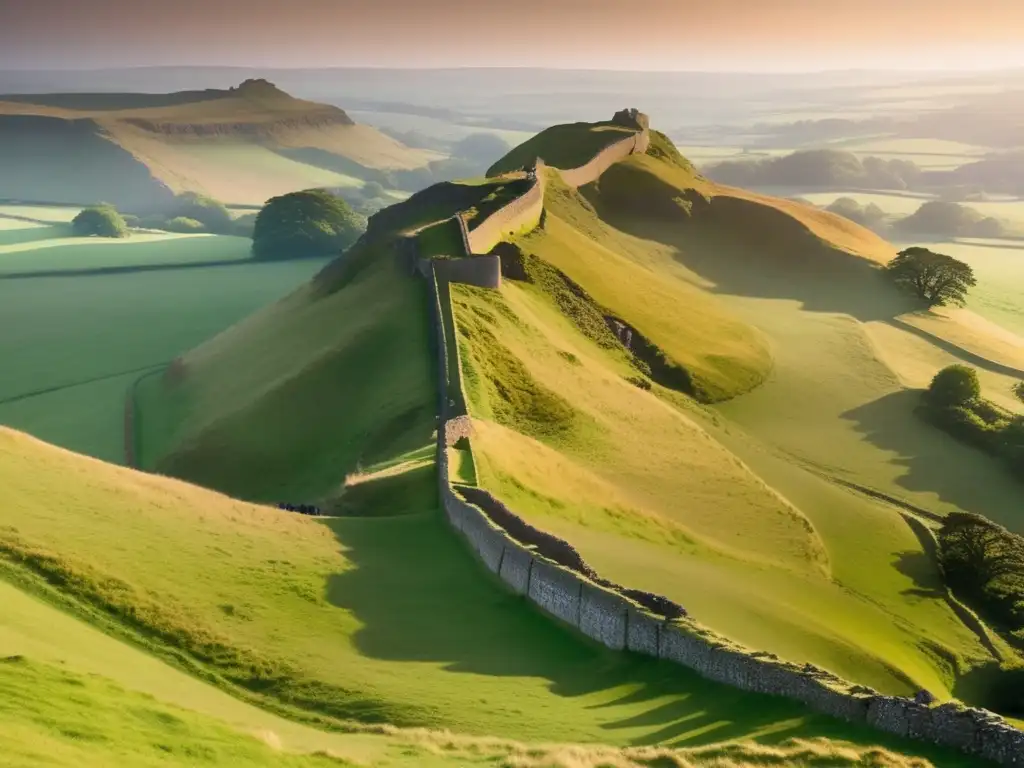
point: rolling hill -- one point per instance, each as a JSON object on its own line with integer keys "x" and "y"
{"x": 747, "y": 450}
{"x": 241, "y": 145}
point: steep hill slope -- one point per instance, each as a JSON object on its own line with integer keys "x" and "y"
{"x": 382, "y": 621}
{"x": 241, "y": 146}
{"x": 761, "y": 305}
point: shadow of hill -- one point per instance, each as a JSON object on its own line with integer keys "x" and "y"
{"x": 32, "y": 234}
{"x": 72, "y": 161}
{"x": 420, "y": 596}
{"x": 321, "y": 158}
{"x": 957, "y": 351}
{"x": 936, "y": 463}
{"x": 746, "y": 248}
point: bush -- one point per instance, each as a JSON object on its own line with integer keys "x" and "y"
{"x": 1018, "y": 390}
{"x": 984, "y": 563}
{"x": 211, "y": 213}
{"x": 99, "y": 221}
{"x": 132, "y": 222}
{"x": 304, "y": 224}
{"x": 955, "y": 385}
{"x": 185, "y": 225}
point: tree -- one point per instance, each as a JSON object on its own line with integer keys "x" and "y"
{"x": 373, "y": 189}
{"x": 481, "y": 148}
{"x": 954, "y": 385}
{"x": 302, "y": 224}
{"x": 936, "y": 278}
{"x": 213, "y": 215}
{"x": 99, "y": 221}
{"x": 185, "y": 225}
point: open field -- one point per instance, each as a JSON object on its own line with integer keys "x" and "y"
{"x": 433, "y": 128}
{"x": 905, "y": 203}
{"x": 75, "y": 343}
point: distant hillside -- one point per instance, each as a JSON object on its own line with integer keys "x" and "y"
{"x": 241, "y": 145}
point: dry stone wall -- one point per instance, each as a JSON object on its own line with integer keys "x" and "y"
{"x": 482, "y": 271}
{"x": 527, "y": 561}
{"x": 591, "y": 171}
{"x": 521, "y": 214}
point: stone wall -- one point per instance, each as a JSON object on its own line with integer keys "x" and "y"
{"x": 591, "y": 171}
{"x": 482, "y": 271}
{"x": 521, "y": 214}
{"x": 550, "y": 573}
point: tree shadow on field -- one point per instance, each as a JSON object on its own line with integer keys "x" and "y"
{"x": 920, "y": 569}
{"x": 957, "y": 474}
{"x": 420, "y": 596}
{"x": 746, "y": 248}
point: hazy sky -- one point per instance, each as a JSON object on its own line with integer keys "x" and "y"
{"x": 745, "y": 35}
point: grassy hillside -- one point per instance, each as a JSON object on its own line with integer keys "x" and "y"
{"x": 77, "y": 336}
{"x": 241, "y": 145}
{"x": 563, "y": 146}
{"x": 385, "y": 620}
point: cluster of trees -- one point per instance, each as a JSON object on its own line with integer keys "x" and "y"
{"x": 310, "y": 223}
{"x": 954, "y": 404}
{"x": 934, "y": 219}
{"x": 983, "y": 563}
{"x": 938, "y": 218}
{"x": 821, "y": 168}
{"x": 101, "y": 220}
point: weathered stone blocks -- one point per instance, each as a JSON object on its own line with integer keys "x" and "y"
{"x": 487, "y": 540}
{"x": 556, "y": 590}
{"x": 603, "y": 616}
{"x": 515, "y": 568}
{"x": 642, "y": 632}
{"x": 682, "y": 647}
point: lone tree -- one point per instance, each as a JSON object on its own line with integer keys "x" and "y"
{"x": 302, "y": 224}
{"x": 99, "y": 221}
{"x": 953, "y": 386}
{"x": 936, "y": 278}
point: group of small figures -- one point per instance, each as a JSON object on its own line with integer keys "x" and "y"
{"x": 302, "y": 509}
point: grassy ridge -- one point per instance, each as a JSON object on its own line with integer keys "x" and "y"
{"x": 785, "y": 574}
{"x": 563, "y": 146}
{"x": 385, "y": 620}
{"x": 301, "y": 393}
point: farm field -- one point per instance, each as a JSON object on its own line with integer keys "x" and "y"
{"x": 72, "y": 344}
{"x": 432, "y": 127}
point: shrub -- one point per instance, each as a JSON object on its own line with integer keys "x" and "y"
{"x": 304, "y": 224}
{"x": 132, "y": 222}
{"x": 185, "y": 225}
{"x": 1018, "y": 390}
{"x": 211, "y": 213}
{"x": 99, "y": 221}
{"x": 955, "y": 385}
{"x": 373, "y": 189}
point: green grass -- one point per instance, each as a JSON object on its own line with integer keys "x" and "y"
{"x": 381, "y": 620}
{"x": 302, "y": 393}
{"x": 563, "y": 146}
{"x": 56, "y": 718}
{"x": 999, "y": 269}
{"x": 74, "y": 343}
{"x": 799, "y": 574}
{"x": 722, "y": 355}
{"x": 55, "y": 254}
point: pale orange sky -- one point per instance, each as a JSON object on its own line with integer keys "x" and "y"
{"x": 653, "y": 34}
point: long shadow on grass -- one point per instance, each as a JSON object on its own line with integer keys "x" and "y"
{"x": 937, "y": 463}
{"x": 31, "y": 234}
{"x": 421, "y": 597}
{"x": 746, "y": 248}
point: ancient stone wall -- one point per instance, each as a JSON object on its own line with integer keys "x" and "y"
{"x": 591, "y": 171}
{"x": 519, "y": 215}
{"x": 564, "y": 586}
{"x": 482, "y": 271}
